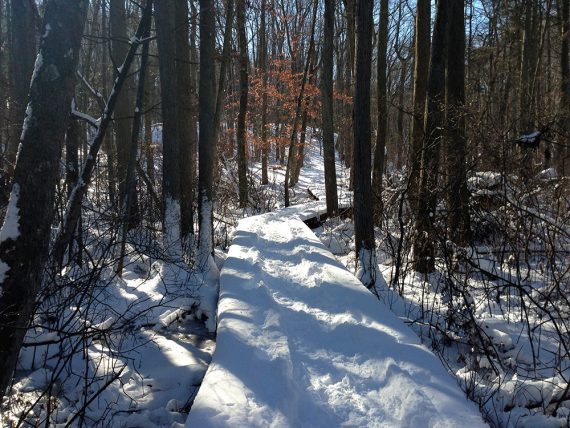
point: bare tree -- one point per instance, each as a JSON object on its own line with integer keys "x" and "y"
{"x": 186, "y": 118}
{"x": 327, "y": 109}
{"x": 363, "y": 220}
{"x": 243, "y": 84}
{"x": 206, "y": 143}
{"x": 424, "y": 247}
{"x": 24, "y": 238}
{"x": 421, "y": 69}
{"x": 382, "y": 131}
{"x": 458, "y": 194}
{"x": 124, "y": 110}
{"x": 22, "y": 37}
{"x": 263, "y": 69}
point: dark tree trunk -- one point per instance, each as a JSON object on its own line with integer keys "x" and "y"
{"x": 263, "y": 69}
{"x": 458, "y": 194}
{"x": 22, "y": 36}
{"x": 421, "y": 70}
{"x": 206, "y": 141}
{"x": 564, "y": 155}
{"x": 131, "y": 182}
{"x": 186, "y": 118}
{"x": 382, "y": 131}
{"x": 124, "y": 108}
{"x": 241, "y": 125}
{"x": 223, "y": 68}
{"x": 24, "y": 239}
{"x": 108, "y": 144}
{"x": 424, "y": 247}
{"x": 362, "y": 205}
{"x": 327, "y": 109}
{"x": 165, "y": 18}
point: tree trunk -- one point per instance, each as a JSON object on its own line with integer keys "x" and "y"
{"x": 362, "y": 205}
{"x": 186, "y": 118}
{"x": 206, "y": 138}
{"x": 458, "y": 194}
{"x": 22, "y": 36}
{"x": 223, "y": 68}
{"x": 263, "y": 70}
{"x": 345, "y": 134}
{"x": 327, "y": 109}
{"x": 131, "y": 182}
{"x": 108, "y": 144}
{"x": 165, "y": 18}
{"x": 564, "y": 156}
{"x": 421, "y": 69}
{"x": 24, "y": 238}
{"x": 382, "y": 131}
{"x": 241, "y": 125}
{"x": 424, "y": 248}
{"x": 124, "y": 109}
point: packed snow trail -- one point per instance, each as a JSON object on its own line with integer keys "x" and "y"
{"x": 301, "y": 343}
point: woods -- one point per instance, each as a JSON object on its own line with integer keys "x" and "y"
{"x": 134, "y": 137}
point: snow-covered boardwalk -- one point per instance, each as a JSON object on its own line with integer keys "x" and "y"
{"x": 301, "y": 343}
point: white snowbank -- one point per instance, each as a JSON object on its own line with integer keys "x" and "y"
{"x": 301, "y": 343}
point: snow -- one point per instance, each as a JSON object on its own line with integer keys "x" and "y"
{"x": 529, "y": 138}
{"x": 11, "y": 227}
{"x": 4, "y": 268}
{"x": 301, "y": 343}
{"x": 172, "y": 243}
{"x": 27, "y": 119}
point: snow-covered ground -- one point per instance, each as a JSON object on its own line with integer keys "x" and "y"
{"x": 301, "y": 343}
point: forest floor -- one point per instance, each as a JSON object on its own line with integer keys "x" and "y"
{"x": 132, "y": 351}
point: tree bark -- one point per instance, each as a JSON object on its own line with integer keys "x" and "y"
{"x": 223, "y": 68}
{"x": 421, "y": 70}
{"x": 564, "y": 155}
{"x": 131, "y": 182}
{"x": 382, "y": 131}
{"x": 327, "y": 109}
{"x": 206, "y": 138}
{"x": 458, "y": 194}
{"x": 24, "y": 238}
{"x": 165, "y": 18}
{"x": 263, "y": 70}
{"x": 241, "y": 125}
{"x": 362, "y": 205}
{"x": 124, "y": 108}
{"x": 22, "y": 36}
{"x": 186, "y": 118}
{"x": 424, "y": 247}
